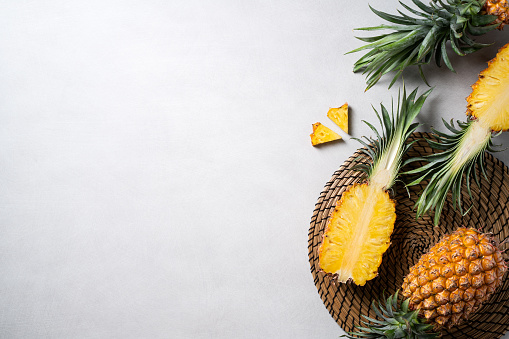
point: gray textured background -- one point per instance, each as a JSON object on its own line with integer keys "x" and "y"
{"x": 156, "y": 174}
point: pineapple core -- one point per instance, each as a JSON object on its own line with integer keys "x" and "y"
{"x": 358, "y": 234}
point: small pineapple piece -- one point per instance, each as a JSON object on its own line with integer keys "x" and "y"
{"x": 340, "y": 116}
{"x": 322, "y": 134}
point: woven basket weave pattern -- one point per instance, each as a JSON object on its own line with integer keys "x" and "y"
{"x": 412, "y": 238}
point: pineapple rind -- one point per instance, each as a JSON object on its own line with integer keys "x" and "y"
{"x": 489, "y": 100}
{"x": 358, "y": 234}
{"x": 500, "y": 8}
{"x": 454, "y": 277}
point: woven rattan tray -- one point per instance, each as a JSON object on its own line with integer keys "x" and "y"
{"x": 411, "y": 238}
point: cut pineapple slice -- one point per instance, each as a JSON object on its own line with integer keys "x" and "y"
{"x": 340, "y": 116}
{"x": 489, "y": 100}
{"x": 358, "y": 234}
{"x": 322, "y": 134}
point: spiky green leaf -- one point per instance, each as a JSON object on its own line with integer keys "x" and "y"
{"x": 415, "y": 38}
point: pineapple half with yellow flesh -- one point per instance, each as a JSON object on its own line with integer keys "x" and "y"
{"x": 358, "y": 231}
{"x": 443, "y": 289}
{"x": 465, "y": 146}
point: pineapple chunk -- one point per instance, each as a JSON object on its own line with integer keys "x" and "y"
{"x": 340, "y": 116}
{"x": 322, "y": 134}
{"x": 358, "y": 234}
{"x": 489, "y": 100}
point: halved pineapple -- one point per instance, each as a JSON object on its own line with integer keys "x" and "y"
{"x": 464, "y": 147}
{"x": 489, "y": 100}
{"x": 322, "y": 134}
{"x": 340, "y": 116}
{"x": 358, "y": 234}
{"x": 358, "y": 231}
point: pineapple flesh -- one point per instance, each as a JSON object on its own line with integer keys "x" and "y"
{"x": 358, "y": 233}
{"x": 322, "y": 134}
{"x": 340, "y": 116}
{"x": 359, "y": 229}
{"x": 489, "y": 100}
{"x": 455, "y": 277}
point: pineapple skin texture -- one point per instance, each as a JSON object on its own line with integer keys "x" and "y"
{"x": 357, "y": 234}
{"x": 499, "y": 8}
{"x": 455, "y": 277}
{"x": 488, "y": 101}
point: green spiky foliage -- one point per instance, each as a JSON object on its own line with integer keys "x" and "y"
{"x": 386, "y": 150}
{"x": 460, "y": 151}
{"x": 416, "y": 40}
{"x": 395, "y": 320}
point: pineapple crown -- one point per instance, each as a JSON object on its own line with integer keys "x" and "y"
{"x": 395, "y": 320}
{"x": 415, "y": 40}
{"x": 461, "y": 150}
{"x": 387, "y": 150}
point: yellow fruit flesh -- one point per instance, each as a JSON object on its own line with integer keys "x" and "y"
{"x": 358, "y": 234}
{"x": 322, "y": 134}
{"x": 339, "y": 116}
{"x": 489, "y": 100}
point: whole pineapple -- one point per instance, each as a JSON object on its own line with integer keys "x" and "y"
{"x": 358, "y": 231}
{"x": 416, "y": 40}
{"x": 445, "y": 287}
{"x": 455, "y": 277}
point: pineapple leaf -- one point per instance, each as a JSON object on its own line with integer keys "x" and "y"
{"x": 401, "y": 323}
{"x": 480, "y": 30}
{"x": 445, "y": 57}
{"x": 416, "y": 37}
{"x": 423, "y": 7}
{"x": 455, "y": 46}
{"x": 389, "y": 17}
{"x": 462, "y": 149}
{"x": 387, "y": 150}
{"x": 483, "y": 20}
